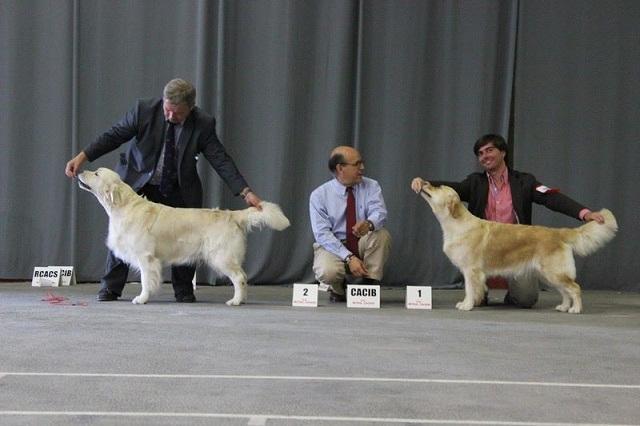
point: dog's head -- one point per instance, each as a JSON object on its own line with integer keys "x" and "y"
{"x": 444, "y": 200}
{"x": 105, "y": 184}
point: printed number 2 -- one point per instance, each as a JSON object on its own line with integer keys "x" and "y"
{"x": 305, "y": 291}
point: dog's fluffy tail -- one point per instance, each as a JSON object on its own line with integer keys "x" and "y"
{"x": 593, "y": 235}
{"x": 271, "y": 216}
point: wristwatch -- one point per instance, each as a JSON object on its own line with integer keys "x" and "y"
{"x": 245, "y": 192}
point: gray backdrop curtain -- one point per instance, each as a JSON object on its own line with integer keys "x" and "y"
{"x": 411, "y": 84}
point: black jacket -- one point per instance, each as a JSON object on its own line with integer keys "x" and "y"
{"x": 475, "y": 191}
{"x": 144, "y": 126}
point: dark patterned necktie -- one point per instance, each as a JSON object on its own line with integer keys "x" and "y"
{"x": 352, "y": 240}
{"x": 169, "y": 180}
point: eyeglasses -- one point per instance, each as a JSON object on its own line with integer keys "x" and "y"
{"x": 356, "y": 164}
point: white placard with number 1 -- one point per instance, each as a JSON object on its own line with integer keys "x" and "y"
{"x": 418, "y": 297}
{"x": 305, "y": 295}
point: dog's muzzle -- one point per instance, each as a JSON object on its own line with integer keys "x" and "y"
{"x": 83, "y": 185}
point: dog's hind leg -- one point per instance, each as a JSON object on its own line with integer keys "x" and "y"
{"x": 239, "y": 279}
{"x": 560, "y": 272}
{"x": 566, "y": 299}
{"x": 473, "y": 289}
{"x": 570, "y": 291}
{"x": 150, "y": 277}
{"x": 576, "y": 295}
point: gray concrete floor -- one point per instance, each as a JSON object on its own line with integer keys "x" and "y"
{"x": 83, "y": 362}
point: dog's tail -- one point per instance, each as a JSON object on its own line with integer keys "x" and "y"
{"x": 593, "y": 235}
{"x": 271, "y": 216}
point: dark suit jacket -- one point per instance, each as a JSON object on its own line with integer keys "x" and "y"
{"x": 475, "y": 191}
{"x": 144, "y": 126}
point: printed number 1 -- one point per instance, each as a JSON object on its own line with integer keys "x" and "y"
{"x": 419, "y": 293}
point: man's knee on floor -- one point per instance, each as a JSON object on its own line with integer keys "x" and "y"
{"x": 523, "y": 291}
{"x": 521, "y": 300}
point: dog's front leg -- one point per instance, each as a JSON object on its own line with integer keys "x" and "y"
{"x": 473, "y": 285}
{"x": 150, "y": 275}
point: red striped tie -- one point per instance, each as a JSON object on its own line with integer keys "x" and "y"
{"x": 352, "y": 240}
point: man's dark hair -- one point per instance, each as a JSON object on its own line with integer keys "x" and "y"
{"x": 334, "y": 160}
{"x": 497, "y": 141}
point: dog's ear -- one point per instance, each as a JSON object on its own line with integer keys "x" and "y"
{"x": 454, "y": 208}
{"x": 114, "y": 195}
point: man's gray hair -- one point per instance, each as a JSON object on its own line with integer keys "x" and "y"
{"x": 179, "y": 91}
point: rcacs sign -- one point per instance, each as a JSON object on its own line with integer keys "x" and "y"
{"x": 53, "y": 276}
{"x": 46, "y": 276}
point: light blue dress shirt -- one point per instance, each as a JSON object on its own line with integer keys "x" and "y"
{"x": 327, "y": 210}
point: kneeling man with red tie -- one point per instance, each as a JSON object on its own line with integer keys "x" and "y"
{"x": 348, "y": 214}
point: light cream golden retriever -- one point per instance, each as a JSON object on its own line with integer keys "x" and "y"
{"x": 148, "y": 235}
{"x": 480, "y": 248}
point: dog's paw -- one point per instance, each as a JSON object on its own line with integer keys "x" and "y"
{"x": 562, "y": 308}
{"x": 464, "y": 305}
{"x": 139, "y": 300}
{"x": 234, "y": 302}
{"x": 574, "y": 310}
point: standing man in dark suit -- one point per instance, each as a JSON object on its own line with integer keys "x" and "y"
{"x": 166, "y": 136}
{"x": 504, "y": 195}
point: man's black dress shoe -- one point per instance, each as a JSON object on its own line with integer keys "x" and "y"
{"x": 106, "y": 296}
{"x": 508, "y": 300}
{"x": 337, "y": 298}
{"x": 187, "y": 298}
{"x": 485, "y": 299}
